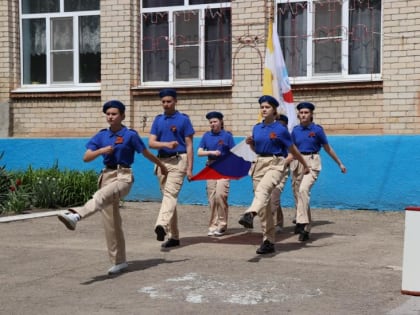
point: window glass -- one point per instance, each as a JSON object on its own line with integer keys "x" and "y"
{"x": 155, "y": 47}
{"x": 186, "y": 45}
{"x": 205, "y": 1}
{"x": 40, "y": 6}
{"x": 292, "y": 29}
{"x": 161, "y": 3}
{"x": 189, "y": 44}
{"x": 34, "y": 57}
{"x": 318, "y": 40}
{"x": 218, "y": 48}
{"x": 365, "y": 37}
{"x": 80, "y": 5}
{"x": 327, "y": 38}
{"x": 89, "y": 49}
{"x": 62, "y": 50}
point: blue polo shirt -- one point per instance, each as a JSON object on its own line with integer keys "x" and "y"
{"x": 221, "y": 141}
{"x": 175, "y": 127}
{"x": 125, "y": 142}
{"x": 271, "y": 138}
{"x": 310, "y": 138}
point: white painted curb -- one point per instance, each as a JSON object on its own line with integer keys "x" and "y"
{"x": 20, "y": 217}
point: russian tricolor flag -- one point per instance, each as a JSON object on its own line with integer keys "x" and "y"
{"x": 234, "y": 165}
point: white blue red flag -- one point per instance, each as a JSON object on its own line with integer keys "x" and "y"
{"x": 276, "y": 78}
{"x": 234, "y": 165}
{"x": 276, "y": 83}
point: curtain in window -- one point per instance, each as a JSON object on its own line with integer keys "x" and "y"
{"x": 34, "y": 51}
{"x": 218, "y": 48}
{"x": 292, "y": 29}
{"x": 89, "y": 49}
{"x": 364, "y": 36}
{"x": 155, "y": 47}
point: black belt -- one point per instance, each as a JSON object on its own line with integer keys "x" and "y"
{"x": 168, "y": 155}
{"x": 116, "y": 166}
{"x": 269, "y": 154}
{"x": 308, "y": 153}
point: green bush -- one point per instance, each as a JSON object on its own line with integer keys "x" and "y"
{"x": 4, "y": 182}
{"x": 16, "y": 200}
{"x": 45, "y": 188}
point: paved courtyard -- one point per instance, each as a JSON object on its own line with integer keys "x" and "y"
{"x": 351, "y": 265}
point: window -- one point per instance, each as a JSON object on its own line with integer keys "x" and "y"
{"x": 331, "y": 40}
{"x": 60, "y": 42}
{"x": 187, "y": 42}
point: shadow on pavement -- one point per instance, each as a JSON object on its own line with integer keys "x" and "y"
{"x": 135, "y": 265}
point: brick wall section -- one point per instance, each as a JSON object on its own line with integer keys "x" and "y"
{"x": 401, "y": 55}
{"x": 146, "y": 108}
{"x": 5, "y": 15}
{"x": 9, "y": 60}
{"x": 393, "y": 109}
{"x": 118, "y": 58}
{"x": 249, "y": 30}
{"x": 58, "y": 117}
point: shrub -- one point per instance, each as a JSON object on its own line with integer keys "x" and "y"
{"x": 55, "y": 188}
{"x": 45, "y": 188}
{"x": 4, "y": 182}
{"x": 16, "y": 200}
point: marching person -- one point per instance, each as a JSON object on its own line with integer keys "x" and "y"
{"x": 309, "y": 138}
{"x": 214, "y": 144}
{"x": 275, "y": 202}
{"x": 271, "y": 142}
{"x": 172, "y": 135}
{"x": 117, "y": 145}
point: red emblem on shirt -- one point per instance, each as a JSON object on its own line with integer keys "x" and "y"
{"x": 311, "y": 134}
{"x": 119, "y": 140}
{"x": 173, "y": 128}
{"x": 273, "y": 135}
{"x": 220, "y": 142}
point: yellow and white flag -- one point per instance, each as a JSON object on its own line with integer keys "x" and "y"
{"x": 276, "y": 79}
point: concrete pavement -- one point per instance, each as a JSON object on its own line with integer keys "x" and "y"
{"x": 351, "y": 265}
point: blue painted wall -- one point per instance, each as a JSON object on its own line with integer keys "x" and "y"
{"x": 382, "y": 172}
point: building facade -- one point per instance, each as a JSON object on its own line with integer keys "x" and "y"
{"x": 61, "y": 59}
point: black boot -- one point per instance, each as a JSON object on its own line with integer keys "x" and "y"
{"x": 266, "y": 248}
{"x": 247, "y": 220}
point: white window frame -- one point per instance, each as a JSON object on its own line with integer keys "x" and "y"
{"x": 331, "y": 78}
{"x": 49, "y": 86}
{"x": 201, "y": 81}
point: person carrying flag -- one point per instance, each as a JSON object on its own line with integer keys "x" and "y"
{"x": 309, "y": 138}
{"x": 271, "y": 142}
{"x": 215, "y": 144}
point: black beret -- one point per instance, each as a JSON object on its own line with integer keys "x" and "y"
{"x": 211, "y": 115}
{"x": 167, "y": 92}
{"x": 114, "y": 104}
{"x": 307, "y": 105}
{"x": 284, "y": 118}
{"x": 269, "y": 99}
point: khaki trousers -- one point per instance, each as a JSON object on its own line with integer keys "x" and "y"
{"x": 170, "y": 186}
{"x": 113, "y": 186}
{"x": 217, "y": 194}
{"x": 267, "y": 173}
{"x": 275, "y": 201}
{"x": 302, "y": 184}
